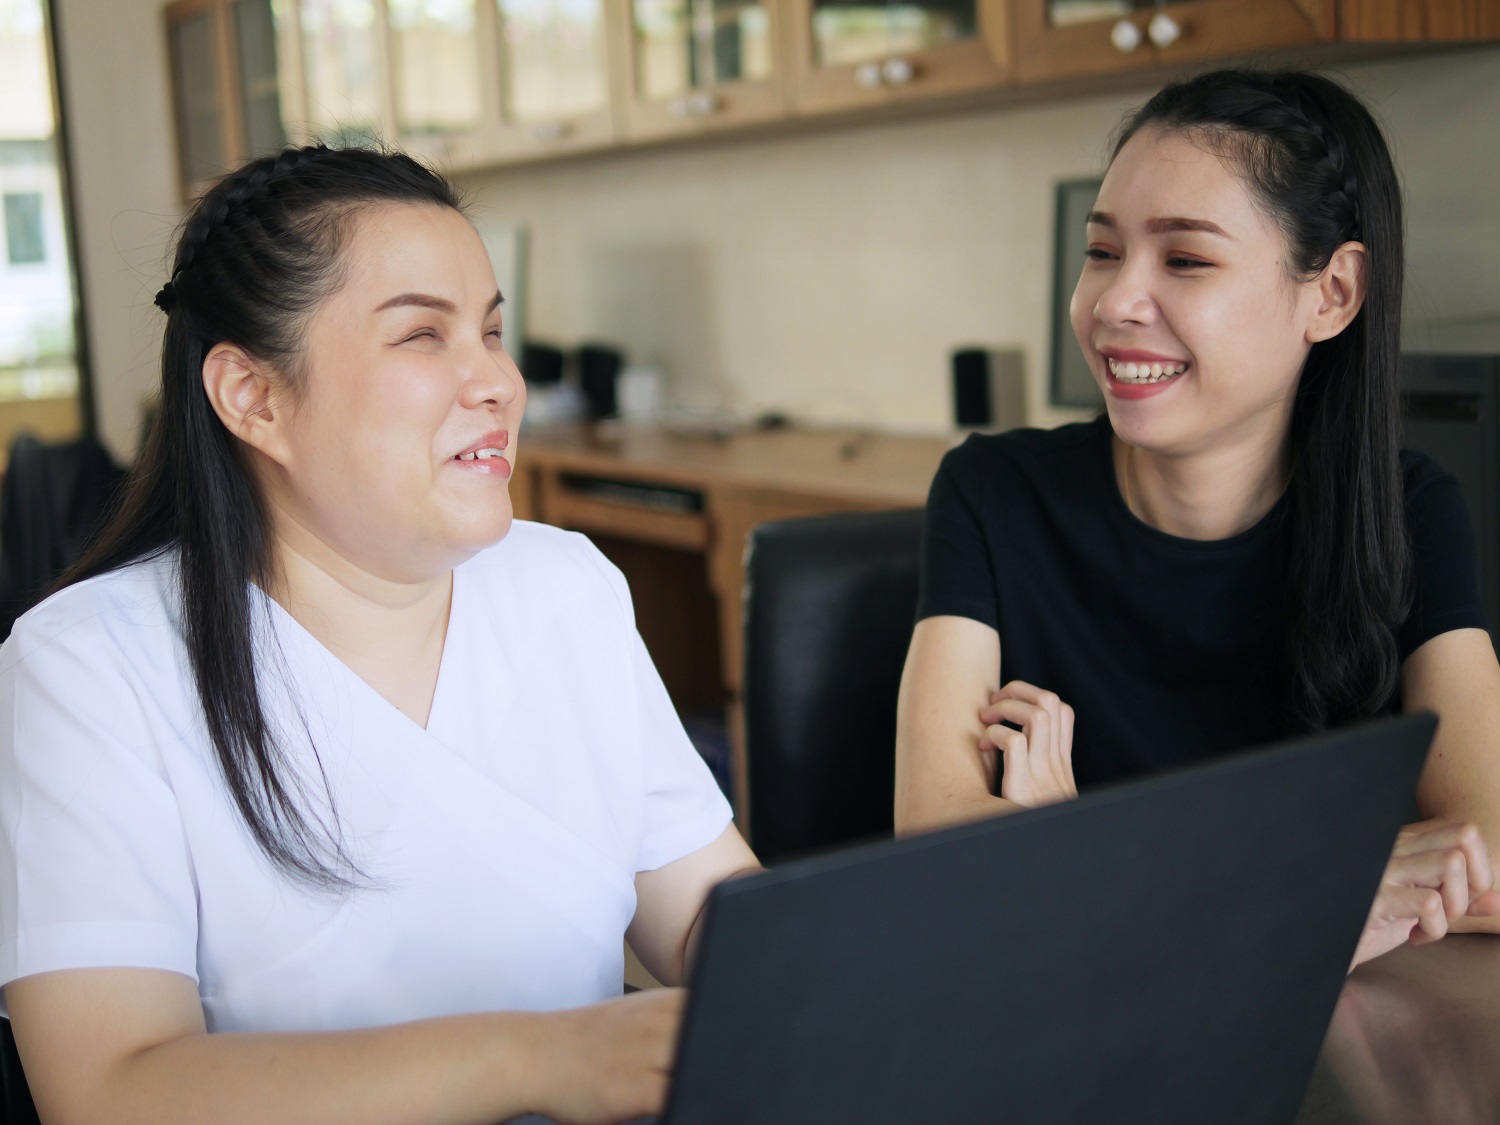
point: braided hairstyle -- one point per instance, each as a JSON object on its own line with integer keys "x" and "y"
{"x": 1317, "y": 164}
{"x": 257, "y": 255}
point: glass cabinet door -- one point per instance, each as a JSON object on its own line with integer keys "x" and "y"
{"x": 553, "y": 66}
{"x": 853, "y": 52}
{"x": 435, "y": 64}
{"x": 686, "y": 47}
{"x": 255, "y": 34}
{"x": 203, "y": 147}
{"x": 848, "y": 31}
{"x": 341, "y": 62}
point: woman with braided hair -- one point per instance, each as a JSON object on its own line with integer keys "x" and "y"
{"x": 328, "y": 793}
{"x": 1235, "y": 550}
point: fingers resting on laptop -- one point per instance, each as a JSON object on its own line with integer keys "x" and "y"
{"x": 1031, "y": 730}
{"x": 1439, "y": 871}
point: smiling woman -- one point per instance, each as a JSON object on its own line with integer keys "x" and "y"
{"x": 328, "y": 792}
{"x": 1236, "y": 550}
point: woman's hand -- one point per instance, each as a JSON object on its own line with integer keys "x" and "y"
{"x": 608, "y": 1062}
{"x": 1439, "y": 872}
{"x": 1038, "y": 757}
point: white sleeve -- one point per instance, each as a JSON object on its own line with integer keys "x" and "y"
{"x": 94, "y": 865}
{"x": 684, "y": 807}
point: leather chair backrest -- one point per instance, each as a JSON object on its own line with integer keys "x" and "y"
{"x": 52, "y": 502}
{"x": 15, "y": 1097}
{"x": 830, "y": 604}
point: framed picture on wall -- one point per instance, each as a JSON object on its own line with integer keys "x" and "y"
{"x": 1071, "y": 384}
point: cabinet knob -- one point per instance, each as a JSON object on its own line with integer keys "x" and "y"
{"x": 1125, "y": 36}
{"x": 867, "y": 74}
{"x": 897, "y": 71}
{"x": 549, "y": 130}
{"x": 702, "y": 104}
{"x": 1163, "y": 29}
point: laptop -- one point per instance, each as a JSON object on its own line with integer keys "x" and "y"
{"x": 1165, "y": 951}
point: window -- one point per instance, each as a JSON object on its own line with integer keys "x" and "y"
{"x": 24, "y": 243}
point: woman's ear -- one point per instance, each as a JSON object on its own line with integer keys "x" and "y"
{"x": 1341, "y": 293}
{"x": 240, "y": 390}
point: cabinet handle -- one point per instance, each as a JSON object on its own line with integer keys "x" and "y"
{"x": 1125, "y": 36}
{"x": 549, "y": 130}
{"x": 1163, "y": 29}
{"x": 867, "y": 74}
{"x": 698, "y": 104}
{"x": 897, "y": 71}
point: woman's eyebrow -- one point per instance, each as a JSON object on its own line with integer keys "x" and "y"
{"x": 1176, "y": 223}
{"x": 441, "y": 304}
{"x": 1170, "y": 225}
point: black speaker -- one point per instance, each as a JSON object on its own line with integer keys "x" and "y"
{"x": 598, "y": 370}
{"x": 972, "y": 403}
{"x": 541, "y": 363}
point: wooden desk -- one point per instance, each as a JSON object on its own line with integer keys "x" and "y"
{"x": 683, "y": 548}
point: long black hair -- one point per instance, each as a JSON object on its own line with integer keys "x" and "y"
{"x": 1317, "y": 163}
{"x": 257, "y": 254}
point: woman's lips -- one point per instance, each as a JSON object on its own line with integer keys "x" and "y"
{"x": 487, "y": 455}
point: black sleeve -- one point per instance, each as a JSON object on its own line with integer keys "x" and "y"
{"x": 957, "y": 574}
{"x": 1445, "y": 564}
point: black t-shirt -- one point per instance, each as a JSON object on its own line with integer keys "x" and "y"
{"x": 1166, "y": 648}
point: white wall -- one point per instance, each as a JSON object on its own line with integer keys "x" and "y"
{"x": 828, "y": 274}
{"x": 115, "y": 96}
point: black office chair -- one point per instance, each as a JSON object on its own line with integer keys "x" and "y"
{"x": 53, "y": 499}
{"x": 829, "y": 609}
{"x": 15, "y": 1097}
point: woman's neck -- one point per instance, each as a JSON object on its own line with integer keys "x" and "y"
{"x": 1212, "y": 494}
{"x": 389, "y": 633}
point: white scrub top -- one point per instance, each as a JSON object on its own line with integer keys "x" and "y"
{"x": 501, "y": 841}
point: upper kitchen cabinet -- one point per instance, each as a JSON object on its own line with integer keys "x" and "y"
{"x": 1069, "y": 38}
{"x": 225, "y": 84}
{"x": 848, "y": 53}
{"x": 465, "y": 82}
{"x": 1421, "y": 21}
{"x": 692, "y": 66}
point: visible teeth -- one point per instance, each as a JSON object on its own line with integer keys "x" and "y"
{"x": 466, "y": 456}
{"x": 1145, "y": 372}
{"x": 486, "y": 454}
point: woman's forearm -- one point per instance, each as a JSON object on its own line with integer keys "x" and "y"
{"x": 452, "y": 1071}
{"x": 129, "y": 1047}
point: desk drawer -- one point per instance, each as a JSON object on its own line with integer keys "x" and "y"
{"x": 630, "y": 509}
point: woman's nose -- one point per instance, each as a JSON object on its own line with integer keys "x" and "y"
{"x": 1127, "y": 299}
{"x": 493, "y": 379}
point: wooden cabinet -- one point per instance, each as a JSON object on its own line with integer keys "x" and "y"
{"x": 1422, "y": 21}
{"x": 847, "y": 54}
{"x": 1071, "y": 38}
{"x": 476, "y": 83}
{"x": 696, "y": 66}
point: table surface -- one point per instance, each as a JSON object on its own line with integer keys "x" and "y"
{"x": 860, "y": 466}
{"x": 1415, "y": 1040}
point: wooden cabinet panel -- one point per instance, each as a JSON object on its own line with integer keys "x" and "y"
{"x": 1045, "y": 51}
{"x": 1199, "y": 30}
{"x": 1215, "y": 29}
{"x": 1386, "y": 21}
